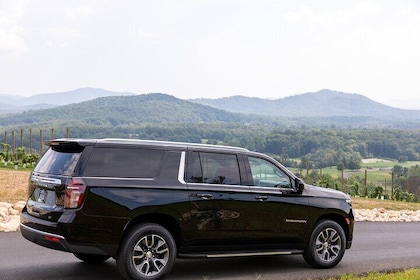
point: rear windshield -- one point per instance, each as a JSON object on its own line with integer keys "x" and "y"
{"x": 57, "y": 163}
{"x": 124, "y": 163}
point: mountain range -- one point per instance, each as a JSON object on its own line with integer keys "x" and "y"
{"x": 14, "y": 104}
{"x": 324, "y": 103}
{"x": 102, "y": 107}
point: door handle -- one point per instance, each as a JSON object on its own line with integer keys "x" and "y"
{"x": 204, "y": 196}
{"x": 261, "y": 197}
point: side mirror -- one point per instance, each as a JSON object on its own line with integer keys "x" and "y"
{"x": 299, "y": 185}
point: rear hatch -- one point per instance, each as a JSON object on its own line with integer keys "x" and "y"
{"x": 52, "y": 180}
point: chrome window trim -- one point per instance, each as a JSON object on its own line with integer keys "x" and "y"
{"x": 181, "y": 170}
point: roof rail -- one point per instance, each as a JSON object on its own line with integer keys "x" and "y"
{"x": 172, "y": 143}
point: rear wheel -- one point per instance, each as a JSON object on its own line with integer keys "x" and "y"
{"x": 90, "y": 258}
{"x": 327, "y": 245}
{"x": 147, "y": 252}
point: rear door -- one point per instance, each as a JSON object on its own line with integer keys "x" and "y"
{"x": 220, "y": 199}
{"x": 48, "y": 181}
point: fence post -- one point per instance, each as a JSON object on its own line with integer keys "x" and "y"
{"x": 307, "y": 169}
{"x": 30, "y": 140}
{"x": 365, "y": 183}
{"x": 40, "y": 143}
{"x": 21, "y": 138}
{"x": 385, "y": 189}
{"x": 13, "y": 144}
{"x": 392, "y": 185}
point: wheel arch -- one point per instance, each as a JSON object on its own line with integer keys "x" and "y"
{"x": 166, "y": 221}
{"x": 339, "y": 220}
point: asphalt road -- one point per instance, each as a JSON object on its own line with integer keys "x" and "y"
{"x": 376, "y": 247}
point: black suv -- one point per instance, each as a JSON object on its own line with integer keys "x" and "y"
{"x": 144, "y": 203}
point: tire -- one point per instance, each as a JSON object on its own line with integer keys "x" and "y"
{"x": 90, "y": 258}
{"x": 147, "y": 252}
{"x": 327, "y": 245}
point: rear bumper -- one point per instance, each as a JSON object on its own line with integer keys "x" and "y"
{"x": 57, "y": 236}
{"x": 45, "y": 239}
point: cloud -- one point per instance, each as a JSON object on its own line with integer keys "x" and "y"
{"x": 60, "y": 37}
{"x": 142, "y": 33}
{"x": 369, "y": 8}
{"x": 304, "y": 13}
{"x": 12, "y": 42}
{"x": 69, "y": 31}
{"x": 78, "y": 13}
{"x": 313, "y": 16}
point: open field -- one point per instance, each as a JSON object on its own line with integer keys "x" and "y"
{"x": 13, "y": 187}
{"x": 378, "y": 171}
{"x": 374, "y": 160}
{"x": 383, "y": 163}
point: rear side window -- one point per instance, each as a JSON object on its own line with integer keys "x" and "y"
{"x": 57, "y": 162}
{"x": 124, "y": 163}
{"x": 214, "y": 168}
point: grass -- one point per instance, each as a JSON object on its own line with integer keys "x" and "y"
{"x": 410, "y": 274}
{"x": 369, "y": 203}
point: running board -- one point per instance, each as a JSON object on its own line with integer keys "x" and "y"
{"x": 239, "y": 254}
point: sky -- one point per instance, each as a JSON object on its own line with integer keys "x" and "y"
{"x": 212, "y": 48}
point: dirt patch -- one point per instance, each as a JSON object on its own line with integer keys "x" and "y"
{"x": 13, "y": 185}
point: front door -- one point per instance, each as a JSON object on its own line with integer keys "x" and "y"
{"x": 279, "y": 213}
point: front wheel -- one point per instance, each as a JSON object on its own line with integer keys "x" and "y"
{"x": 147, "y": 252}
{"x": 327, "y": 245}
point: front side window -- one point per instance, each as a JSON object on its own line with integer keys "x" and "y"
{"x": 266, "y": 174}
{"x": 214, "y": 168}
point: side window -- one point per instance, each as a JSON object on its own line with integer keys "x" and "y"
{"x": 124, "y": 163}
{"x": 195, "y": 172}
{"x": 266, "y": 174}
{"x": 213, "y": 168}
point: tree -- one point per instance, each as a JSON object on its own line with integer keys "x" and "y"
{"x": 354, "y": 161}
{"x": 340, "y": 166}
{"x": 314, "y": 176}
{"x": 414, "y": 171}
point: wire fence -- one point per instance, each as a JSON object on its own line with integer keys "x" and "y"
{"x": 30, "y": 142}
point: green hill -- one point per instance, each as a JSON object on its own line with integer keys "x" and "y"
{"x": 322, "y": 109}
{"x": 324, "y": 103}
{"x": 123, "y": 110}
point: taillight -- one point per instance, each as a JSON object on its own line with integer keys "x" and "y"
{"x": 75, "y": 191}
